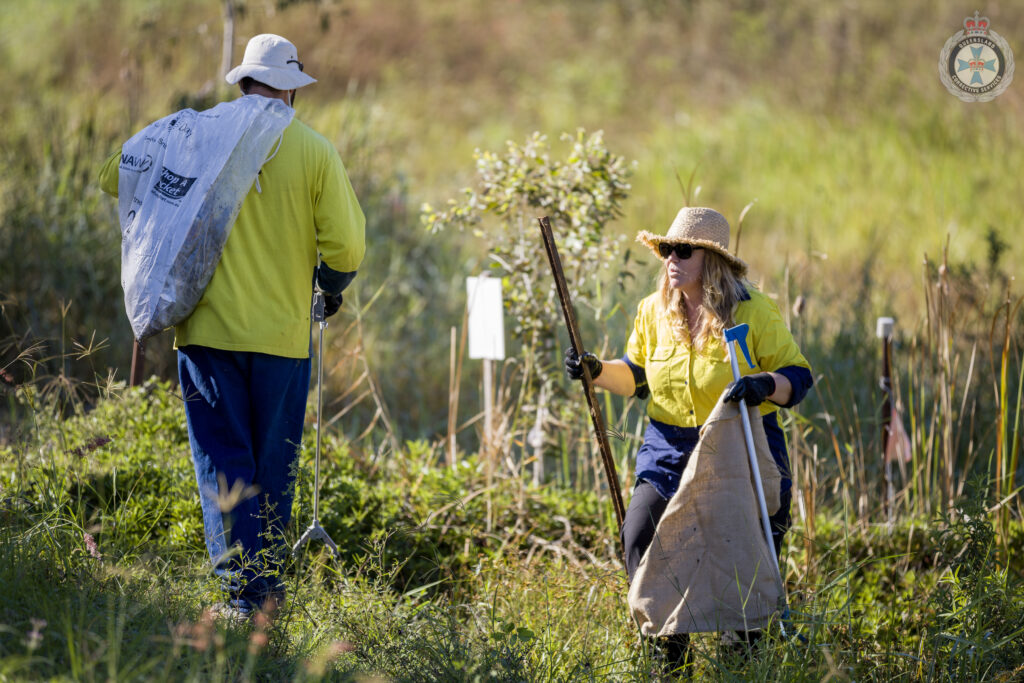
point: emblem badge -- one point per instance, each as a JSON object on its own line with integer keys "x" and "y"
{"x": 976, "y": 64}
{"x": 172, "y": 185}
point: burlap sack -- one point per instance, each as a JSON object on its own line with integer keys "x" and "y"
{"x": 709, "y": 567}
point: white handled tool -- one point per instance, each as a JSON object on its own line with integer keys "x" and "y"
{"x": 315, "y": 532}
{"x": 733, "y": 336}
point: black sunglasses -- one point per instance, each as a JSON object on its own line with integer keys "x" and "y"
{"x": 683, "y": 251}
{"x": 295, "y": 61}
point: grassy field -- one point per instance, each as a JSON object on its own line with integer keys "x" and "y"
{"x": 872, "y": 191}
{"x": 442, "y": 577}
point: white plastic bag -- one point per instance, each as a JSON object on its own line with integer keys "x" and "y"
{"x": 181, "y": 183}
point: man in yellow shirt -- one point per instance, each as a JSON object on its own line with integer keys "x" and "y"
{"x": 244, "y": 352}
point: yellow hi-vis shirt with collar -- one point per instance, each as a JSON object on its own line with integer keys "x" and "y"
{"x": 260, "y": 296}
{"x": 685, "y": 383}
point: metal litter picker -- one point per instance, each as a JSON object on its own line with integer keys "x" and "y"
{"x": 315, "y": 532}
{"x": 733, "y": 336}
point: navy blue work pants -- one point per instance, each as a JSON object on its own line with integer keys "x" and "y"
{"x": 646, "y": 508}
{"x": 245, "y": 414}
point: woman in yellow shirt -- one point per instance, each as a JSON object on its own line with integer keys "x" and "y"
{"x": 677, "y": 355}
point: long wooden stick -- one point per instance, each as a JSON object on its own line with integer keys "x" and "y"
{"x": 138, "y": 364}
{"x": 883, "y": 331}
{"x": 588, "y": 382}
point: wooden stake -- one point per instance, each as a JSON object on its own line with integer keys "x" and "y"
{"x": 138, "y": 363}
{"x": 588, "y": 383}
{"x": 453, "y": 400}
{"x": 883, "y": 331}
{"x": 488, "y": 408}
{"x": 488, "y": 446}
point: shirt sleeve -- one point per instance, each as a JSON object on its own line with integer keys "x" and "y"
{"x": 800, "y": 379}
{"x": 109, "y": 174}
{"x": 641, "y": 390}
{"x": 333, "y": 281}
{"x": 340, "y": 224}
{"x": 774, "y": 348}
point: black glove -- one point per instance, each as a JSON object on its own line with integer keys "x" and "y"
{"x": 753, "y": 389}
{"x": 332, "y": 302}
{"x": 574, "y": 364}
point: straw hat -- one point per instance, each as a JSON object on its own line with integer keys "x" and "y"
{"x": 700, "y": 227}
{"x": 271, "y": 60}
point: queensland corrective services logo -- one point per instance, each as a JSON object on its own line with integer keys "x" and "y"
{"x": 976, "y": 64}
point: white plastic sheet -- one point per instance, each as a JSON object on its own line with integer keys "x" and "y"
{"x": 181, "y": 183}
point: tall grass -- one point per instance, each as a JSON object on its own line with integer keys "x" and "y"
{"x": 102, "y": 583}
{"x": 840, "y": 178}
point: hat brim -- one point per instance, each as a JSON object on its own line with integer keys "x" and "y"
{"x": 275, "y": 77}
{"x": 652, "y": 240}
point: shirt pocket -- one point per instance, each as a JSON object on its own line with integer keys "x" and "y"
{"x": 713, "y": 373}
{"x": 662, "y": 372}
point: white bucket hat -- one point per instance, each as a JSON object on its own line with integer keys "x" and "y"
{"x": 699, "y": 226}
{"x": 271, "y": 60}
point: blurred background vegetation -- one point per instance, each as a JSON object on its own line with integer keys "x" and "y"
{"x": 829, "y": 119}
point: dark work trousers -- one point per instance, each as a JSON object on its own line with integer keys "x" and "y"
{"x": 245, "y": 414}
{"x": 646, "y": 507}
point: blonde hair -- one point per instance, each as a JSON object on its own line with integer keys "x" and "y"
{"x": 723, "y": 287}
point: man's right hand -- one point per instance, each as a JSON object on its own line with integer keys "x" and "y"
{"x": 574, "y": 364}
{"x": 332, "y": 302}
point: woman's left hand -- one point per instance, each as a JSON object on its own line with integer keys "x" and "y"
{"x": 752, "y": 389}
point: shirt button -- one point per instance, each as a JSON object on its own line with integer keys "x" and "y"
{"x": 691, "y": 412}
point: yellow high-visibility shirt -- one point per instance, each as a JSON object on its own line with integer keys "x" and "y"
{"x": 259, "y": 298}
{"x": 685, "y": 383}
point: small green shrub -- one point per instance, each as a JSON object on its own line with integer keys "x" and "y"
{"x": 581, "y": 194}
{"x": 436, "y": 529}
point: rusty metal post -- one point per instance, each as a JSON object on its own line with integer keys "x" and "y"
{"x": 138, "y": 363}
{"x": 588, "y": 383}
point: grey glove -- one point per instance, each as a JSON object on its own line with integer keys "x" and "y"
{"x": 574, "y": 364}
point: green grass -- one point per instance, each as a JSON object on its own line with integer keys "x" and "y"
{"x": 424, "y": 591}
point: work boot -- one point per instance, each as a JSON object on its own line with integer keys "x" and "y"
{"x": 228, "y": 613}
{"x": 671, "y": 656}
{"x": 740, "y": 644}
